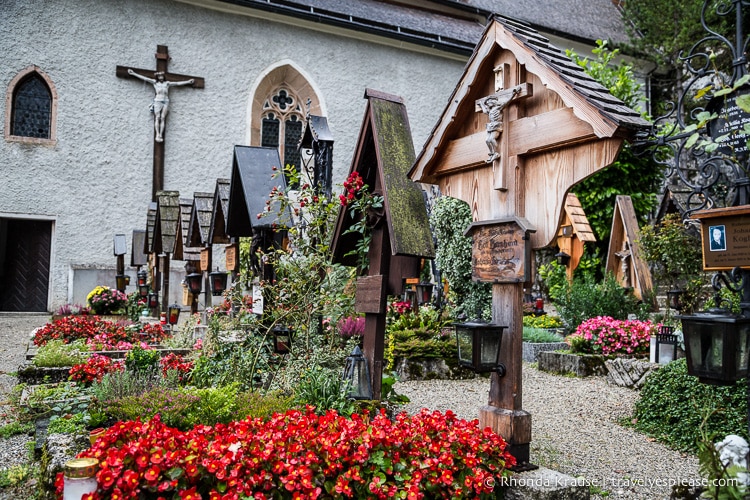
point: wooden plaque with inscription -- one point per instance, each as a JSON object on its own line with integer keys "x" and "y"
{"x": 725, "y": 237}
{"x": 232, "y": 257}
{"x": 205, "y": 256}
{"x": 500, "y": 250}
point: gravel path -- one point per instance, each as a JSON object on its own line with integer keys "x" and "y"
{"x": 575, "y": 426}
{"x": 575, "y": 431}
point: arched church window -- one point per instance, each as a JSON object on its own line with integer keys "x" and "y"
{"x": 31, "y": 102}
{"x": 283, "y": 117}
{"x": 281, "y": 98}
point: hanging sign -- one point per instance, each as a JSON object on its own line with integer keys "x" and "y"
{"x": 725, "y": 236}
{"x": 500, "y": 250}
{"x": 230, "y": 252}
{"x": 205, "y": 257}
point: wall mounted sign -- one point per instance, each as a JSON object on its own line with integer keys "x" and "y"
{"x": 725, "y": 236}
{"x": 500, "y": 250}
{"x": 232, "y": 257}
{"x": 205, "y": 258}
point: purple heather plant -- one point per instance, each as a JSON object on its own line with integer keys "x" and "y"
{"x": 351, "y": 326}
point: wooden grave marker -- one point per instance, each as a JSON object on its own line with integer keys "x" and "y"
{"x": 401, "y": 236}
{"x": 725, "y": 237}
{"x": 624, "y": 259}
{"x": 566, "y": 128}
{"x": 574, "y": 231}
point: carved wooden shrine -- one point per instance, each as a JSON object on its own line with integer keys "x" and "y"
{"x": 197, "y": 236}
{"x": 401, "y": 236}
{"x": 624, "y": 259}
{"x": 574, "y": 231}
{"x": 558, "y": 127}
{"x": 166, "y": 223}
{"x": 256, "y": 172}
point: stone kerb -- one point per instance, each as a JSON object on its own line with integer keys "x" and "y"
{"x": 581, "y": 365}
{"x": 531, "y": 350}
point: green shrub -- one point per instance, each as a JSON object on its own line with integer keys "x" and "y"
{"x": 673, "y": 404}
{"x": 585, "y": 299}
{"x": 539, "y": 335}
{"x": 56, "y": 353}
{"x": 543, "y": 321}
{"x": 15, "y": 428}
{"x": 325, "y": 390}
{"x": 68, "y": 424}
{"x": 142, "y": 360}
{"x": 256, "y": 405}
{"x": 118, "y": 385}
{"x": 420, "y": 343}
{"x": 16, "y": 474}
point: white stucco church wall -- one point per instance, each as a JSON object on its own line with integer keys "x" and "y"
{"x": 96, "y": 180}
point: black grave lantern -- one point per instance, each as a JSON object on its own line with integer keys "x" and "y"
{"x": 218, "y": 281}
{"x": 674, "y": 298}
{"x": 424, "y": 292}
{"x": 357, "y": 375}
{"x": 153, "y": 300}
{"x": 666, "y": 345}
{"x": 194, "y": 283}
{"x": 479, "y": 346}
{"x": 282, "y": 339}
{"x": 142, "y": 276}
{"x": 122, "y": 281}
{"x": 173, "y": 314}
{"x": 562, "y": 258}
{"x": 143, "y": 290}
{"x": 717, "y": 346}
{"x": 410, "y": 296}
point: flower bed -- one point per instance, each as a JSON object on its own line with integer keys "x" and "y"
{"x": 301, "y": 455}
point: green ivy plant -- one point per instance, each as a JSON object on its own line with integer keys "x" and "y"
{"x": 449, "y": 218}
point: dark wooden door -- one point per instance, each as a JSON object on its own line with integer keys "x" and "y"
{"x": 24, "y": 264}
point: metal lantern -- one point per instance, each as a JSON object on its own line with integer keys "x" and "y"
{"x": 410, "y": 296}
{"x": 562, "y": 258}
{"x": 282, "y": 339}
{"x": 717, "y": 346}
{"x": 142, "y": 276}
{"x": 122, "y": 281}
{"x": 173, "y": 314}
{"x": 424, "y": 293}
{"x": 479, "y": 346}
{"x": 143, "y": 290}
{"x": 153, "y": 300}
{"x": 357, "y": 375}
{"x": 666, "y": 345}
{"x": 674, "y": 298}
{"x": 194, "y": 283}
{"x": 218, "y": 282}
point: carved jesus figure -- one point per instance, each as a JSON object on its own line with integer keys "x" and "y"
{"x": 493, "y": 106}
{"x": 160, "y": 105}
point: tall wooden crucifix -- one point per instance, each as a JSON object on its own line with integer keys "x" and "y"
{"x": 564, "y": 129}
{"x": 161, "y": 80}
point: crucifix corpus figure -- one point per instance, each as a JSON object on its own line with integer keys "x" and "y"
{"x": 493, "y": 106}
{"x": 160, "y": 106}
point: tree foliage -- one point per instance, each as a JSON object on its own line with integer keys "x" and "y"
{"x": 636, "y": 176}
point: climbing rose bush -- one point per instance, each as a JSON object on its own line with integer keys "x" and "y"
{"x": 606, "y": 335}
{"x": 301, "y": 455}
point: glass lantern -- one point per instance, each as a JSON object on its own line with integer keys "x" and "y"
{"x": 717, "y": 346}
{"x": 218, "y": 282}
{"x": 479, "y": 346}
{"x": 357, "y": 375}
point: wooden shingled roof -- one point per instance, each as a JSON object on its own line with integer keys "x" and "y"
{"x": 577, "y": 217}
{"x": 384, "y": 154}
{"x": 167, "y": 221}
{"x": 183, "y": 250}
{"x": 219, "y": 210}
{"x": 200, "y": 219}
{"x": 150, "y": 228}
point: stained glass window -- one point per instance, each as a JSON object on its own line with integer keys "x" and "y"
{"x": 32, "y": 109}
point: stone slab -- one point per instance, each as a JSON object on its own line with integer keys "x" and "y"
{"x": 531, "y": 350}
{"x": 581, "y": 365}
{"x": 629, "y": 372}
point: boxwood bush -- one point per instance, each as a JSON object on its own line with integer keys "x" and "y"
{"x": 674, "y": 404}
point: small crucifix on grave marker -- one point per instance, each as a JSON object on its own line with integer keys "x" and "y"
{"x": 161, "y": 80}
{"x": 493, "y": 106}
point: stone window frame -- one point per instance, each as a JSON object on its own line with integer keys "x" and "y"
{"x": 14, "y": 83}
{"x": 284, "y": 75}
